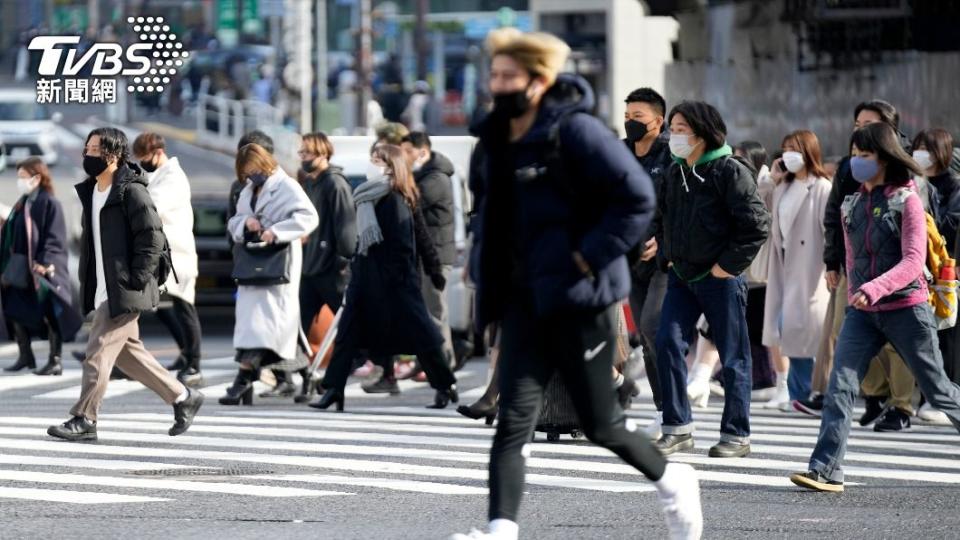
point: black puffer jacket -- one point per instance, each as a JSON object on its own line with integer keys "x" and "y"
{"x": 436, "y": 200}
{"x": 656, "y": 162}
{"x": 710, "y": 214}
{"x": 131, "y": 239}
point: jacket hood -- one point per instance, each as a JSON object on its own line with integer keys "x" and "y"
{"x": 438, "y": 162}
{"x": 707, "y": 157}
{"x": 569, "y": 94}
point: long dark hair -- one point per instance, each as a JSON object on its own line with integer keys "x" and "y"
{"x": 754, "y": 152}
{"x": 113, "y": 143}
{"x": 401, "y": 176}
{"x": 939, "y": 143}
{"x": 881, "y": 139}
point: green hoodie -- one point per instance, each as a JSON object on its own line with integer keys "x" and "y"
{"x": 707, "y": 157}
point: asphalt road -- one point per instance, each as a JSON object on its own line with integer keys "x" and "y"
{"x": 388, "y": 468}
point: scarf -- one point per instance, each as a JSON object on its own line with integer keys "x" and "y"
{"x": 367, "y": 195}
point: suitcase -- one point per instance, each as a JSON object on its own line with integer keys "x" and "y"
{"x": 318, "y": 330}
{"x": 459, "y": 298}
{"x": 557, "y": 415}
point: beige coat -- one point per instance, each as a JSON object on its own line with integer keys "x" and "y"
{"x": 797, "y": 296}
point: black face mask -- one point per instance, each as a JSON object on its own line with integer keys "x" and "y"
{"x": 94, "y": 165}
{"x": 635, "y": 130}
{"x": 308, "y": 166}
{"x": 258, "y": 180}
{"x": 511, "y": 104}
{"x": 147, "y": 166}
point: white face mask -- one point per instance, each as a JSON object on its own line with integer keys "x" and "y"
{"x": 375, "y": 173}
{"x": 923, "y": 158}
{"x": 419, "y": 163}
{"x": 27, "y": 185}
{"x": 680, "y": 145}
{"x": 793, "y": 161}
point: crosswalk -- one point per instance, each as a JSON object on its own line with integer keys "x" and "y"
{"x": 378, "y": 445}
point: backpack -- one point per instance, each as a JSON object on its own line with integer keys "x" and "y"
{"x": 943, "y": 291}
{"x": 165, "y": 264}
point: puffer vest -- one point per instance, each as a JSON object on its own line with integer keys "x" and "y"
{"x": 872, "y": 221}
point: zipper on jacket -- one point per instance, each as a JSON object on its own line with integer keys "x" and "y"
{"x": 873, "y": 257}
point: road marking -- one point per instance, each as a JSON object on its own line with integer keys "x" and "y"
{"x": 150, "y": 483}
{"x": 385, "y": 483}
{"x": 75, "y": 497}
{"x": 102, "y": 464}
{"x": 29, "y": 380}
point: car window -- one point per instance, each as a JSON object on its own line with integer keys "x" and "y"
{"x": 22, "y": 110}
{"x": 209, "y": 222}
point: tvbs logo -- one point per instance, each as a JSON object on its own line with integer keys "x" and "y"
{"x": 148, "y": 64}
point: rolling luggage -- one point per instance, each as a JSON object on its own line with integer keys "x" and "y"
{"x": 557, "y": 415}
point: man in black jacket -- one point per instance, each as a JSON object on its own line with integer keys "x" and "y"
{"x": 432, "y": 172}
{"x": 329, "y": 248}
{"x": 121, "y": 247}
{"x": 643, "y": 123}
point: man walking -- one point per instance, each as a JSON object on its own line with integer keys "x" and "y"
{"x": 122, "y": 257}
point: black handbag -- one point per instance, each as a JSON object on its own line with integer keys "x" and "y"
{"x": 17, "y": 272}
{"x": 260, "y": 264}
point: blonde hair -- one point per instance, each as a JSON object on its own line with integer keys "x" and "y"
{"x": 253, "y": 158}
{"x": 540, "y": 53}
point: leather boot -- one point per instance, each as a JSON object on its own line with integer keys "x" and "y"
{"x": 26, "y": 360}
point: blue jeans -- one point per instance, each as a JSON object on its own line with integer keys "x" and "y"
{"x": 800, "y": 378}
{"x": 723, "y": 302}
{"x": 913, "y": 333}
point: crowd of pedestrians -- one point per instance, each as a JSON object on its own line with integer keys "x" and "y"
{"x": 786, "y": 280}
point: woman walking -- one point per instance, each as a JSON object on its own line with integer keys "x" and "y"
{"x": 384, "y": 312}
{"x": 797, "y": 296}
{"x": 35, "y": 287}
{"x": 273, "y": 210}
{"x": 885, "y": 235}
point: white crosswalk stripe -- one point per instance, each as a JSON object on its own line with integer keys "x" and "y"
{"x": 377, "y": 446}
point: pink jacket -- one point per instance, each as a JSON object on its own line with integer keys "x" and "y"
{"x": 913, "y": 245}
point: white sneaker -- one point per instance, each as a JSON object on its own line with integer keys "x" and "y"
{"x": 763, "y": 394}
{"x": 698, "y": 391}
{"x": 682, "y": 508}
{"x": 654, "y": 429}
{"x": 932, "y": 416}
{"x": 782, "y": 396}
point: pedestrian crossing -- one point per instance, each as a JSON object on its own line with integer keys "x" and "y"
{"x": 380, "y": 446}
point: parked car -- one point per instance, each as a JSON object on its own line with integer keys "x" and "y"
{"x": 28, "y": 128}
{"x": 215, "y": 287}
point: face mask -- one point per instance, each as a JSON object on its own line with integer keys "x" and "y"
{"x": 258, "y": 180}
{"x": 26, "y": 185}
{"x": 680, "y": 145}
{"x": 512, "y": 104}
{"x": 793, "y": 161}
{"x": 419, "y": 163}
{"x": 375, "y": 173}
{"x": 308, "y": 166}
{"x": 922, "y": 157}
{"x": 94, "y": 165}
{"x": 148, "y": 166}
{"x": 863, "y": 169}
{"x": 635, "y": 130}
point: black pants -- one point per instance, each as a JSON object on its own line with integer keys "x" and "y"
{"x": 581, "y": 348}
{"x": 646, "y": 301}
{"x": 184, "y": 325}
{"x": 22, "y": 333}
{"x": 316, "y": 292}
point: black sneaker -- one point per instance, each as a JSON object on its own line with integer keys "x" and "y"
{"x": 813, "y": 480}
{"x": 874, "y": 410}
{"x": 75, "y": 429}
{"x": 178, "y": 364}
{"x": 382, "y": 386}
{"x": 812, "y": 406}
{"x": 729, "y": 450}
{"x": 184, "y": 412}
{"x": 893, "y": 420}
{"x": 670, "y": 444}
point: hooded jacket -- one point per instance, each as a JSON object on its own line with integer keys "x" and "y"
{"x": 529, "y": 220}
{"x": 656, "y": 163}
{"x": 131, "y": 238}
{"x": 710, "y": 214}
{"x": 436, "y": 201}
